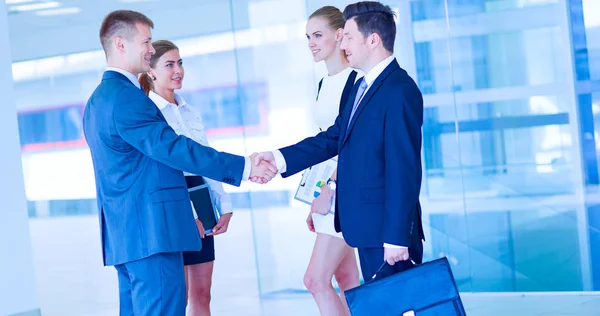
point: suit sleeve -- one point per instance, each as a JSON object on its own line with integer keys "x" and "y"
{"x": 138, "y": 122}
{"x": 402, "y": 139}
{"x": 313, "y": 150}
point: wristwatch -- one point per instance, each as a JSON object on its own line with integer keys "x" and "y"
{"x": 332, "y": 184}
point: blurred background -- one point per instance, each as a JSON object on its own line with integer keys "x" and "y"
{"x": 510, "y": 188}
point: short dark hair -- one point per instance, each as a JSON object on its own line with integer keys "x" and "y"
{"x": 121, "y": 23}
{"x": 374, "y": 17}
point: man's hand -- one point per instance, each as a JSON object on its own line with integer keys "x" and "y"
{"x": 309, "y": 222}
{"x": 222, "y": 225}
{"x": 393, "y": 255}
{"x": 263, "y": 167}
{"x": 264, "y": 156}
{"x": 200, "y": 228}
{"x": 322, "y": 203}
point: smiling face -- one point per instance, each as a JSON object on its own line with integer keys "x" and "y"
{"x": 168, "y": 71}
{"x": 138, "y": 48}
{"x": 355, "y": 45}
{"x": 322, "y": 39}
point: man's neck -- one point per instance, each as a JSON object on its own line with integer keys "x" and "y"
{"x": 122, "y": 66}
{"x": 375, "y": 59}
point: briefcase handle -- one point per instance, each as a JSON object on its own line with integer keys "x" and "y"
{"x": 386, "y": 270}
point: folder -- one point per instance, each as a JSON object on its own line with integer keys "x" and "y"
{"x": 202, "y": 201}
{"x": 313, "y": 179}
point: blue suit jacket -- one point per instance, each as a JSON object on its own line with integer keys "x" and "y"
{"x": 379, "y": 162}
{"x": 143, "y": 202}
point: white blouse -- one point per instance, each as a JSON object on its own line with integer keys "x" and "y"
{"x": 187, "y": 121}
{"x": 325, "y": 110}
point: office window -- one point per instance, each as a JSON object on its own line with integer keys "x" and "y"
{"x": 57, "y": 126}
{"x": 229, "y": 109}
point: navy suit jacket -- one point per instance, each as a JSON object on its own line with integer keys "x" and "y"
{"x": 379, "y": 162}
{"x": 143, "y": 202}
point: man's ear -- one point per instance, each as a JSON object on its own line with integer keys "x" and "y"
{"x": 119, "y": 43}
{"x": 374, "y": 40}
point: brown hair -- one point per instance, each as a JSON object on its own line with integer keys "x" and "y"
{"x": 161, "y": 47}
{"x": 121, "y": 23}
{"x": 335, "y": 17}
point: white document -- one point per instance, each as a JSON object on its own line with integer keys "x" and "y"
{"x": 313, "y": 179}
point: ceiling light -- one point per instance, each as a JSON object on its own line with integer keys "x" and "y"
{"x": 34, "y": 6}
{"x": 59, "y": 11}
{"x": 9, "y": 2}
{"x": 134, "y": 1}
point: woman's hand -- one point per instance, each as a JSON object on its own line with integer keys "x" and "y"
{"x": 200, "y": 228}
{"x": 322, "y": 203}
{"x": 309, "y": 222}
{"x": 222, "y": 224}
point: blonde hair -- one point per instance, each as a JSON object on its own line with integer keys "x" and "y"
{"x": 333, "y": 16}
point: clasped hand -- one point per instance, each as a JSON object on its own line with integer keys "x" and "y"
{"x": 263, "y": 167}
{"x": 322, "y": 203}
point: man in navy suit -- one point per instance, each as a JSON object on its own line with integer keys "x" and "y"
{"x": 378, "y": 142}
{"x": 145, "y": 213}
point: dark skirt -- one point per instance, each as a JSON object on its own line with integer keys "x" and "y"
{"x": 206, "y": 254}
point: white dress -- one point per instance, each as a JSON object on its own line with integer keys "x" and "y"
{"x": 325, "y": 111}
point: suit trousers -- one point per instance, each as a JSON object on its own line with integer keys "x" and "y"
{"x": 152, "y": 286}
{"x": 371, "y": 259}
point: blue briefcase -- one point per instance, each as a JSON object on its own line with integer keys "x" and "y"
{"x": 422, "y": 290}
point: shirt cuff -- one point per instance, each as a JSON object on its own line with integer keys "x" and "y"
{"x": 386, "y": 245}
{"x": 247, "y": 169}
{"x": 279, "y": 161}
{"x": 224, "y": 205}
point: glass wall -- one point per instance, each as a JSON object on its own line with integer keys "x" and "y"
{"x": 510, "y": 163}
{"x": 503, "y": 184}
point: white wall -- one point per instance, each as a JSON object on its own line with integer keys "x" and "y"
{"x": 17, "y": 284}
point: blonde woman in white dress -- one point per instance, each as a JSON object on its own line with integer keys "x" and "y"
{"x": 331, "y": 255}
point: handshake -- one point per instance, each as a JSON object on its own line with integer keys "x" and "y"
{"x": 263, "y": 167}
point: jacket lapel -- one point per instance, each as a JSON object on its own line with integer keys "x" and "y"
{"x": 348, "y": 110}
{"x": 365, "y": 100}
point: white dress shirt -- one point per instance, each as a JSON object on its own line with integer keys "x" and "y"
{"x": 375, "y": 72}
{"x": 187, "y": 121}
{"x": 369, "y": 79}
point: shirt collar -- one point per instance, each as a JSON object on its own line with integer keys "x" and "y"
{"x": 162, "y": 103}
{"x": 180, "y": 100}
{"x": 377, "y": 70}
{"x": 125, "y": 73}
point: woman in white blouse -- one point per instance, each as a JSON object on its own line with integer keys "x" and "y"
{"x": 165, "y": 76}
{"x": 331, "y": 255}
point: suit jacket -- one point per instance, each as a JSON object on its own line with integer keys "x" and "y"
{"x": 379, "y": 162}
{"x": 143, "y": 202}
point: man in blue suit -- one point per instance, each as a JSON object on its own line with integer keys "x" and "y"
{"x": 378, "y": 142}
{"x": 145, "y": 213}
